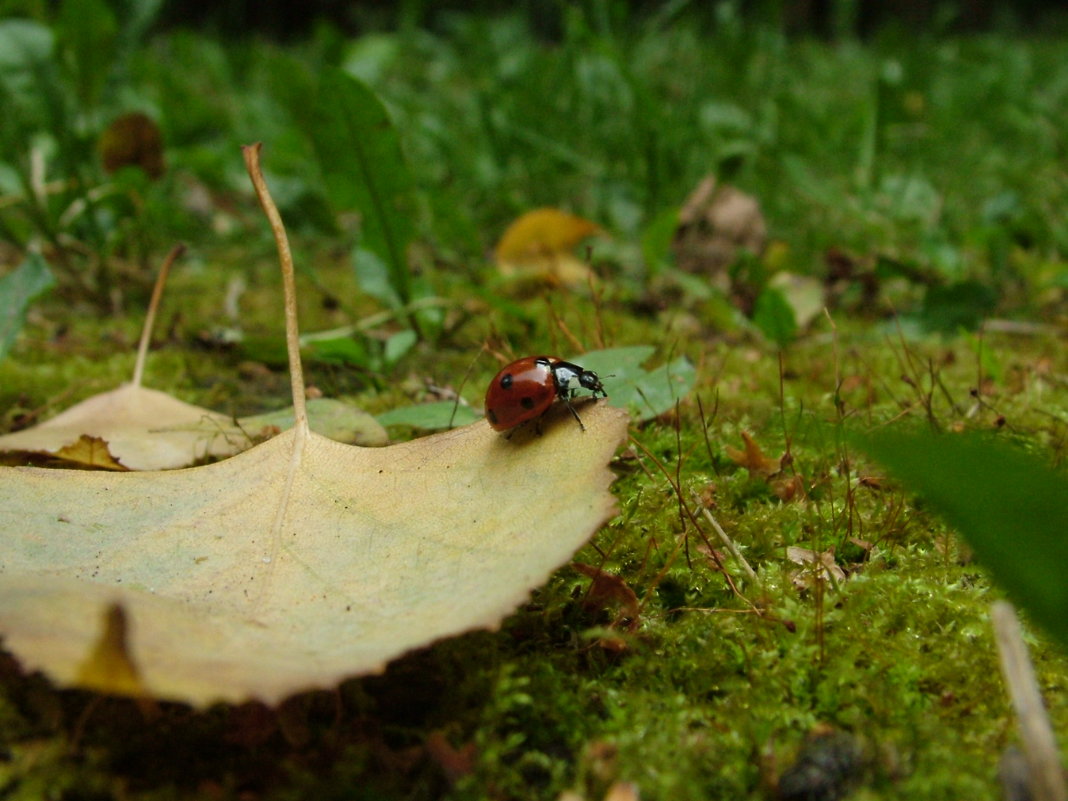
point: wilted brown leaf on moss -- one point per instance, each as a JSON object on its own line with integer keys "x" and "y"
{"x": 540, "y": 245}
{"x": 611, "y": 593}
{"x": 753, "y": 458}
{"x": 819, "y": 566}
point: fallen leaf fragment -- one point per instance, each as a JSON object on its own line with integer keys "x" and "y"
{"x": 609, "y": 591}
{"x": 753, "y": 458}
{"x": 819, "y": 565}
{"x": 539, "y": 245}
{"x": 715, "y": 224}
{"x": 87, "y": 453}
{"x": 454, "y": 762}
{"x": 109, "y": 666}
{"x": 381, "y": 550}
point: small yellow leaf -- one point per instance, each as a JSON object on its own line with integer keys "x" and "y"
{"x": 539, "y": 244}
{"x": 110, "y": 668}
{"x": 89, "y": 451}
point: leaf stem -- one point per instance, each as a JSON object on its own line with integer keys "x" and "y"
{"x": 150, "y": 317}
{"x": 289, "y": 289}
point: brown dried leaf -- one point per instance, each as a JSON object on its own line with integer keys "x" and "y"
{"x": 753, "y": 458}
{"x": 133, "y": 140}
{"x": 820, "y": 565}
{"x": 609, "y": 591}
{"x": 715, "y": 223}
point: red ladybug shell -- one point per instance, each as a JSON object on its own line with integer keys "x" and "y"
{"x": 525, "y": 389}
{"x": 521, "y": 391}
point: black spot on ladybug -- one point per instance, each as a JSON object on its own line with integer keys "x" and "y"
{"x": 527, "y": 402}
{"x": 489, "y": 415}
{"x": 506, "y": 381}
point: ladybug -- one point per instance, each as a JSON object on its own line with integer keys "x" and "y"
{"x": 525, "y": 389}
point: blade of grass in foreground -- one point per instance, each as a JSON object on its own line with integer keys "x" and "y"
{"x": 1011, "y": 507}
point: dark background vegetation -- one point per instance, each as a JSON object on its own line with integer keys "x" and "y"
{"x": 824, "y": 18}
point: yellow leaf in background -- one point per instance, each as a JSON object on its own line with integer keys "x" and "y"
{"x": 539, "y": 245}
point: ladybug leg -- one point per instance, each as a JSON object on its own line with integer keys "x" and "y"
{"x": 570, "y": 408}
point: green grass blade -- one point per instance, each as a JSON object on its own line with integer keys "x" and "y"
{"x": 364, "y": 169}
{"x": 1012, "y": 508}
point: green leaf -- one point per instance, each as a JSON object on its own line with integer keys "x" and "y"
{"x": 774, "y": 316}
{"x": 656, "y": 240}
{"x": 1012, "y": 508}
{"x": 960, "y": 305}
{"x": 398, "y": 345}
{"x": 342, "y": 350}
{"x": 88, "y": 35}
{"x": 647, "y": 393}
{"x": 373, "y": 277}
{"x": 23, "y": 46}
{"x": 429, "y": 416}
{"x": 17, "y": 289}
{"x": 360, "y": 156}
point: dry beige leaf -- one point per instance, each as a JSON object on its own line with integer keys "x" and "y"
{"x": 144, "y": 429}
{"x": 715, "y": 223}
{"x": 819, "y": 565}
{"x": 378, "y": 551}
{"x": 298, "y": 562}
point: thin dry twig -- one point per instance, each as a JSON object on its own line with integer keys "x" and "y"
{"x": 153, "y": 307}
{"x": 1039, "y": 745}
